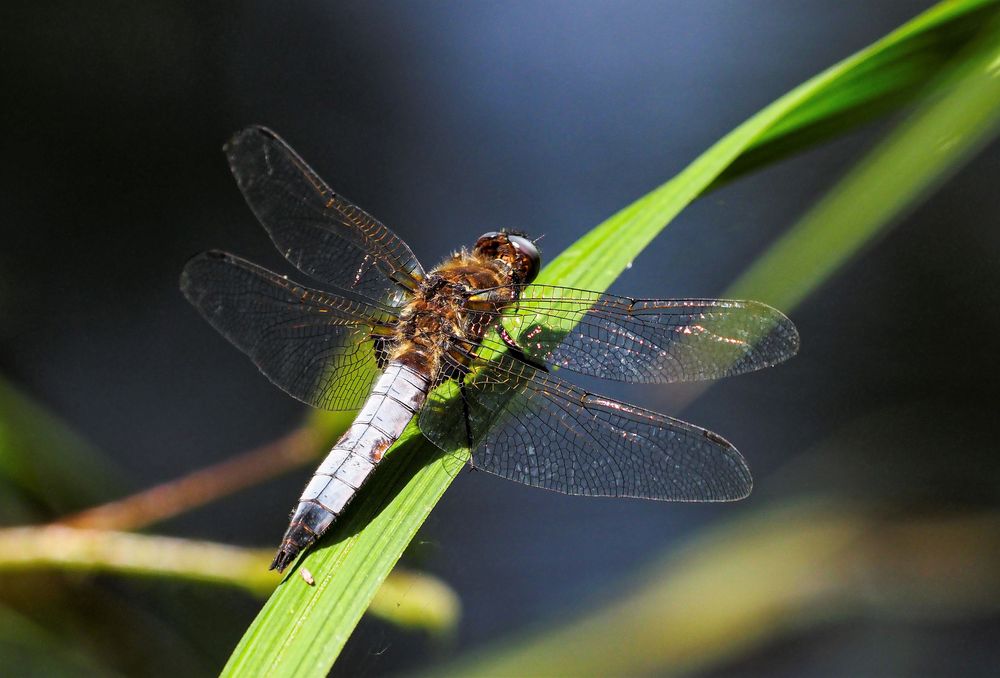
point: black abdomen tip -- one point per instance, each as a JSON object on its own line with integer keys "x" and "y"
{"x": 286, "y": 554}
{"x": 298, "y": 537}
{"x": 309, "y": 521}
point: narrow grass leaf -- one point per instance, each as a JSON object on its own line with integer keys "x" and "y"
{"x": 959, "y": 117}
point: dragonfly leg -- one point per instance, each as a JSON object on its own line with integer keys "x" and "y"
{"x": 465, "y": 415}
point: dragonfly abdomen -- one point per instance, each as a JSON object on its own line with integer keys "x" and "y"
{"x": 397, "y": 395}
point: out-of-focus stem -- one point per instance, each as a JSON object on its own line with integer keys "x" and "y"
{"x": 408, "y": 599}
{"x": 69, "y": 548}
{"x": 202, "y": 486}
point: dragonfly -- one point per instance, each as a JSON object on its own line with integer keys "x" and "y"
{"x": 470, "y": 349}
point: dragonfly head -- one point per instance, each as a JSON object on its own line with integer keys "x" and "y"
{"x": 515, "y": 249}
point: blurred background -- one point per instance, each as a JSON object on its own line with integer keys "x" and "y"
{"x": 446, "y": 120}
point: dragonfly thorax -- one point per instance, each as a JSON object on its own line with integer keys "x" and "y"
{"x": 440, "y": 318}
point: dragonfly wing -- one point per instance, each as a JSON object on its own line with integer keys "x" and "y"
{"x": 320, "y": 232}
{"x": 648, "y": 340}
{"x": 528, "y": 426}
{"x": 316, "y": 346}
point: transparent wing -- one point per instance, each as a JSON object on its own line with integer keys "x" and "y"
{"x": 648, "y": 340}
{"x": 531, "y": 427}
{"x": 318, "y": 231}
{"x": 318, "y": 347}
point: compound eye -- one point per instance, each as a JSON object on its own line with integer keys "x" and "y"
{"x": 527, "y": 249}
{"x": 486, "y": 237}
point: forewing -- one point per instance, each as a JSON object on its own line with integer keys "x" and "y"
{"x": 648, "y": 340}
{"x": 317, "y": 230}
{"x": 531, "y": 427}
{"x": 316, "y": 346}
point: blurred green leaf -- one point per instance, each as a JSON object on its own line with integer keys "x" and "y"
{"x": 25, "y": 644}
{"x": 792, "y": 565}
{"x": 49, "y": 467}
{"x": 418, "y": 601}
{"x": 895, "y": 72}
{"x": 960, "y": 115}
{"x": 300, "y": 632}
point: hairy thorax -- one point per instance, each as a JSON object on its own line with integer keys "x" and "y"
{"x": 442, "y": 319}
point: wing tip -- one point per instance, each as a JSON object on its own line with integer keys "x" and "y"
{"x": 789, "y": 333}
{"x": 248, "y": 153}
{"x": 207, "y": 255}
{"x": 795, "y": 339}
{"x": 781, "y": 334}
{"x": 746, "y": 487}
{"x": 248, "y": 132}
{"x": 743, "y": 485}
{"x": 742, "y": 479}
{"x": 783, "y": 321}
{"x": 190, "y": 274}
{"x": 217, "y": 255}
